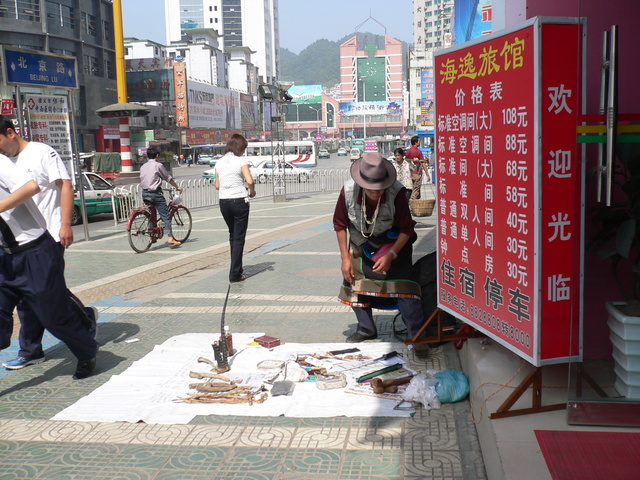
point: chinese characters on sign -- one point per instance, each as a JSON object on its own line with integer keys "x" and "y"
{"x": 40, "y": 69}
{"x": 180, "y": 88}
{"x": 49, "y": 123}
{"x": 495, "y": 243}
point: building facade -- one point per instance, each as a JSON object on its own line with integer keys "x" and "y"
{"x": 83, "y": 30}
{"x": 239, "y": 23}
{"x": 432, "y": 30}
{"x": 371, "y": 87}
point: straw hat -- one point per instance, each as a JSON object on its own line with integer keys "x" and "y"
{"x": 373, "y": 172}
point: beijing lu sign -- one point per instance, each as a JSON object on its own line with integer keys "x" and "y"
{"x": 510, "y": 187}
{"x": 24, "y": 67}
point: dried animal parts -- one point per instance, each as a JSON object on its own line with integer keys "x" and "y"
{"x": 230, "y": 397}
{"x": 220, "y": 389}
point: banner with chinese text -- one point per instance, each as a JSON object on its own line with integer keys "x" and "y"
{"x": 49, "y": 123}
{"x": 510, "y": 187}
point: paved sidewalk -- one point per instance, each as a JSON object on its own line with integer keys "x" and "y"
{"x": 293, "y": 268}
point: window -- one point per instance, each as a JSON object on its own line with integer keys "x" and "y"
{"x": 91, "y": 66}
{"x": 88, "y": 23}
{"x": 28, "y": 10}
{"x": 106, "y": 30}
{"x": 59, "y": 15}
{"x": 108, "y": 68}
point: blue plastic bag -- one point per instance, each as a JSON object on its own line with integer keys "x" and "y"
{"x": 453, "y": 386}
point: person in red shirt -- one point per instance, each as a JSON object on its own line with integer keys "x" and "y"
{"x": 375, "y": 234}
{"x": 415, "y": 157}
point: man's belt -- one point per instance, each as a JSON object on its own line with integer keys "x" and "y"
{"x": 157, "y": 190}
{"x": 25, "y": 246}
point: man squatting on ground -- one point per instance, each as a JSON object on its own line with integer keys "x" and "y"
{"x": 31, "y": 270}
{"x": 55, "y": 202}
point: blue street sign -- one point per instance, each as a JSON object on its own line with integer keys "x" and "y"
{"x": 31, "y": 68}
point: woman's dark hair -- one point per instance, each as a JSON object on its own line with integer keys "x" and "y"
{"x": 399, "y": 150}
{"x": 237, "y": 144}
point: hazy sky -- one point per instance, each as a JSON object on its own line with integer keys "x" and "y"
{"x": 302, "y": 22}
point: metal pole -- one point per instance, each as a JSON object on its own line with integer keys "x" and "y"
{"x": 603, "y": 107}
{"x": 118, "y": 38}
{"x": 612, "y": 109}
{"x": 76, "y": 167}
{"x": 121, "y": 84}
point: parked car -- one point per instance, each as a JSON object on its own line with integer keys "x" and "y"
{"x": 342, "y": 152}
{"x": 323, "y": 153}
{"x": 355, "y": 154}
{"x": 97, "y": 196}
{"x": 209, "y": 174}
{"x": 263, "y": 172}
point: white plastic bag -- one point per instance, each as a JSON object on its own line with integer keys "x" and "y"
{"x": 422, "y": 389}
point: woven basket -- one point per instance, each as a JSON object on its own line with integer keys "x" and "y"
{"x": 422, "y": 207}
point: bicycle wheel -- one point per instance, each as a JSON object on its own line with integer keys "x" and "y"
{"x": 181, "y": 223}
{"x": 140, "y": 232}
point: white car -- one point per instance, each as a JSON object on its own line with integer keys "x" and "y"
{"x": 264, "y": 172}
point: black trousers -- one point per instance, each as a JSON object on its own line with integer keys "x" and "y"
{"x": 36, "y": 277}
{"x": 31, "y": 330}
{"x": 235, "y": 212}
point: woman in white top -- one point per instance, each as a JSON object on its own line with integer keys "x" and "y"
{"x": 403, "y": 170}
{"x": 232, "y": 172}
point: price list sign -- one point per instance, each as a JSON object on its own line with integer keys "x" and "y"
{"x": 510, "y": 187}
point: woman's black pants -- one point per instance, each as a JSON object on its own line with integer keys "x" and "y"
{"x": 235, "y": 212}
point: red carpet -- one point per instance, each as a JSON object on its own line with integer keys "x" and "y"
{"x": 591, "y": 455}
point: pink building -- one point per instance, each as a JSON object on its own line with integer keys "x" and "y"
{"x": 371, "y": 83}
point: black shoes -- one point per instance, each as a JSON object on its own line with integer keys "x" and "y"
{"x": 358, "y": 337}
{"x": 84, "y": 369}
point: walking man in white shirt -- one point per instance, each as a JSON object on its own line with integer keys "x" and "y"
{"x": 55, "y": 201}
{"x": 31, "y": 270}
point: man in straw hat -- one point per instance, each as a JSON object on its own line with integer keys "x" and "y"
{"x": 376, "y": 254}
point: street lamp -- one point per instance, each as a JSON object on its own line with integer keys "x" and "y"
{"x": 364, "y": 79}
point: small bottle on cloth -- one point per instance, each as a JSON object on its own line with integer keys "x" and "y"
{"x": 228, "y": 340}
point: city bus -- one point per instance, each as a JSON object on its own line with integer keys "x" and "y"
{"x": 207, "y": 154}
{"x": 299, "y": 153}
{"x": 358, "y": 143}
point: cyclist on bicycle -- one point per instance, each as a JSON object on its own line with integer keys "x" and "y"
{"x": 151, "y": 175}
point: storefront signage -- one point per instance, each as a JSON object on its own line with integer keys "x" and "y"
{"x": 510, "y": 187}
{"x": 180, "y": 89}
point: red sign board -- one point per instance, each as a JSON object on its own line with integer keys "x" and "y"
{"x": 8, "y": 107}
{"x": 180, "y": 88}
{"x": 510, "y": 187}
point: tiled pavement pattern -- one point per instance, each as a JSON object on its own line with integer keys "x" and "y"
{"x": 294, "y": 274}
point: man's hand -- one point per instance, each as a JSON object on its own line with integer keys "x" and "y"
{"x": 347, "y": 270}
{"x": 383, "y": 264}
{"x": 66, "y": 236}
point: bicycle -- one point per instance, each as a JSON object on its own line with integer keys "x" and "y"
{"x": 143, "y": 228}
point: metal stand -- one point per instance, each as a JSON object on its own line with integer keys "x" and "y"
{"x": 581, "y": 374}
{"x": 534, "y": 379}
{"x": 442, "y": 336}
